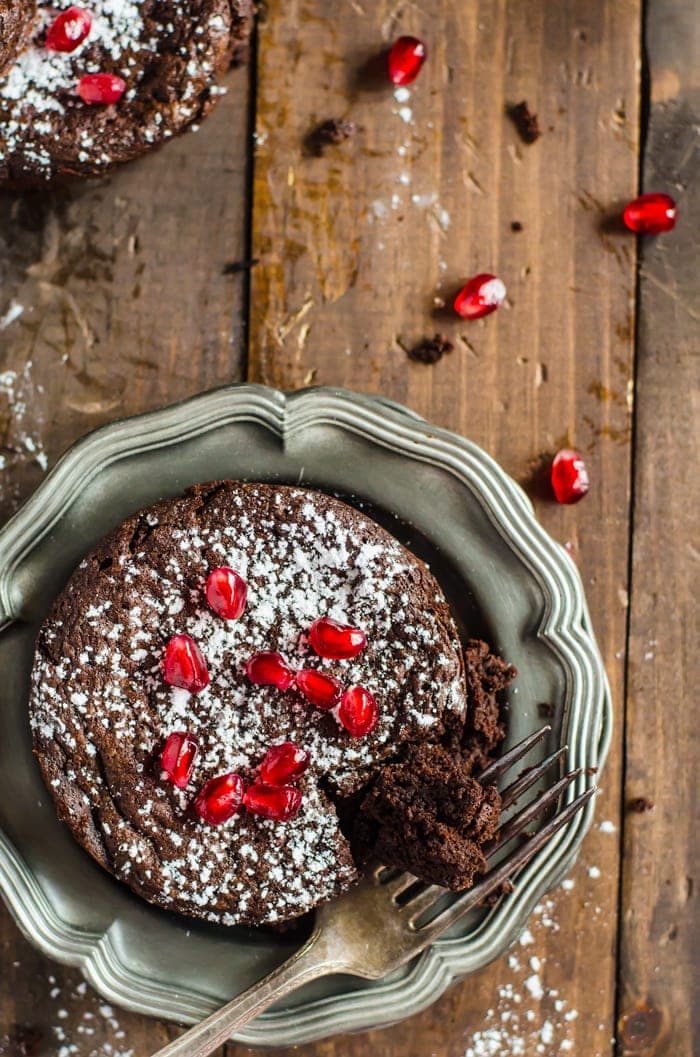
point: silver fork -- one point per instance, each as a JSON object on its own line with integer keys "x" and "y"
{"x": 386, "y": 920}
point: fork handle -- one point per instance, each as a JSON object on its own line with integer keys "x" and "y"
{"x": 309, "y": 963}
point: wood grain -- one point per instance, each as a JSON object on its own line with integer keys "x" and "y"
{"x": 122, "y": 286}
{"x": 659, "y": 972}
{"x": 125, "y": 307}
{"x": 355, "y": 248}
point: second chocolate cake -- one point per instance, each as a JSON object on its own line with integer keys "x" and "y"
{"x": 245, "y": 693}
{"x": 16, "y": 20}
{"x": 100, "y": 84}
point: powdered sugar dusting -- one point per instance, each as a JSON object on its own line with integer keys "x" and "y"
{"x": 18, "y": 394}
{"x": 297, "y": 568}
{"x": 78, "y": 1024}
{"x": 528, "y": 1018}
{"x": 41, "y": 115}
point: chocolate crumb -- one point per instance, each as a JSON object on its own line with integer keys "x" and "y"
{"x": 430, "y": 350}
{"x": 545, "y": 709}
{"x": 525, "y": 121}
{"x": 515, "y": 225}
{"x": 494, "y": 897}
{"x": 640, "y": 804}
{"x": 336, "y": 130}
{"x": 240, "y": 266}
{"x": 332, "y": 132}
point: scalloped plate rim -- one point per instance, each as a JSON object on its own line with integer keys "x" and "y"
{"x": 445, "y": 961}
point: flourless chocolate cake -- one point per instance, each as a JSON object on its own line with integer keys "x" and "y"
{"x": 245, "y": 693}
{"x": 16, "y": 20}
{"x": 100, "y": 83}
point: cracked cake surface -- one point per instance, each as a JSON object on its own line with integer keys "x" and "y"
{"x": 100, "y": 709}
{"x": 170, "y": 53}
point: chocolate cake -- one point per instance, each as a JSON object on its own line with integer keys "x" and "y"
{"x": 16, "y": 20}
{"x": 162, "y": 60}
{"x": 370, "y": 690}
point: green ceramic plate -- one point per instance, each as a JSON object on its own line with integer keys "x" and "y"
{"x": 506, "y": 580}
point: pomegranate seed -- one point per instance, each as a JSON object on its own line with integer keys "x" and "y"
{"x": 358, "y": 711}
{"x": 184, "y": 665}
{"x": 318, "y": 688}
{"x": 480, "y": 297}
{"x": 569, "y": 476}
{"x": 406, "y": 57}
{"x": 178, "y": 756}
{"x": 69, "y": 30}
{"x": 283, "y": 763}
{"x": 220, "y": 798}
{"x": 650, "y": 214}
{"x": 102, "y": 88}
{"x": 279, "y": 802}
{"x": 269, "y": 669}
{"x": 337, "y": 641}
{"x": 226, "y": 593}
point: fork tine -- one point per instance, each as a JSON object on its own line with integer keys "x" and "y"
{"x": 528, "y": 777}
{"x": 495, "y": 877}
{"x": 399, "y": 884}
{"x": 518, "y": 823}
{"x": 494, "y": 770}
{"x": 424, "y": 899}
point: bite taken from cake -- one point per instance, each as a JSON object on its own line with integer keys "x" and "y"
{"x": 245, "y": 694}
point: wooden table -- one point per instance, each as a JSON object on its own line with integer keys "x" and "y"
{"x": 122, "y": 296}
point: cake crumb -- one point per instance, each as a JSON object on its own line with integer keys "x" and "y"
{"x": 430, "y": 350}
{"x": 330, "y": 133}
{"x": 525, "y": 121}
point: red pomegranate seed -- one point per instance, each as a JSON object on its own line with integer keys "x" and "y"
{"x": 279, "y": 802}
{"x": 650, "y": 214}
{"x": 406, "y": 57}
{"x": 283, "y": 763}
{"x": 227, "y": 592}
{"x": 184, "y": 665}
{"x": 337, "y": 641}
{"x": 178, "y": 757}
{"x": 220, "y": 798}
{"x": 481, "y": 296}
{"x": 102, "y": 88}
{"x": 69, "y": 29}
{"x": 269, "y": 669}
{"x": 569, "y": 476}
{"x": 318, "y": 688}
{"x": 358, "y": 711}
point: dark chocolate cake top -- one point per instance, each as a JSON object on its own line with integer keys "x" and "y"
{"x": 170, "y": 53}
{"x": 16, "y": 20}
{"x": 101, "y": 711}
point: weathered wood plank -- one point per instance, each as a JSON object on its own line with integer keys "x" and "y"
{"x": 355, "y": 245}
{"x": 121, "y": 288}
{"x": 124, "y": 307}
{"x": 659, "y": 972}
